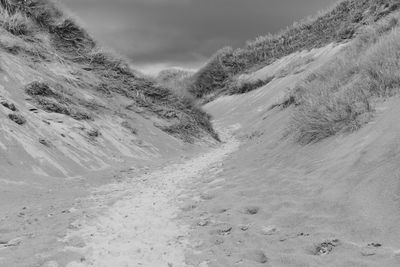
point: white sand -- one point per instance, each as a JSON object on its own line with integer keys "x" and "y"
{"x": 141, "y": 229}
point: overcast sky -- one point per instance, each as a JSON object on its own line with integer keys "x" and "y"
{"x": 156, "y": 34}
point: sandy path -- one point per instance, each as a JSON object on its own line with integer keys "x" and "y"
{"x": 141, "y": 229}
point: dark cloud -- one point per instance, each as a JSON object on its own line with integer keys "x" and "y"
{"x": 185, "y": 32}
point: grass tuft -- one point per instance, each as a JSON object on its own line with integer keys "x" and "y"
{"x": 8, "y": 105}
{"x": 240, "y": 87}
{"x": 325, "y": 114}
{"x": 39, "y": 89}
{"x": 176, "y": 80}
{"x": 17, "y": 24}
{"x": 17, "y": 118}
{"x": 70, "y": 38}
{"x": 52, "y": 101}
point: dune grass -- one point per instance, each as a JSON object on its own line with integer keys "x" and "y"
{"x": 177, "y": 80}
{"x": 335, "y": 25}
{"x": 17, "y": 118}
{"x": 17, "y": 24}
{"x": 340, "y": 96}
{"x": 54, "y": 101}
{"x": 42, "y": 24}
{"x": 242, "y": 87}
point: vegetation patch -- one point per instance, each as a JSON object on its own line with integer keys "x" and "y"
{"x": 176, "y": 80}
{"x": 70, "y": 39}
{"x": 93, "y": 133}
{"x": 183, "y": 130}
{"x": 16, "y": 24}
{"x": 55, "y": 37}
{"x": 39, "y": 89}
{"x": 338, "y": 24}
{"x": 17, "y": 118}
{"x": 339, "y": 97}
{"x": 51, "y": 101}
{"x": 324, "y": 114}
{"x": 186, "y": 128}
{"x": 8, "y": 105}
{"x": 245, "y": 87}
{"x": 43, "y": 12}
{"x": 55, "y": 106}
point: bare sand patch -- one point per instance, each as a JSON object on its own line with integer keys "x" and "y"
{"x": 141, "y": 229}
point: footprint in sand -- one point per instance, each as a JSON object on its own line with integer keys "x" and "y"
{"x": 203, "y": 223}
{"x": 269, "y": 230}
{"x": 255, "y": 255}
{"x": 51, "y": 264}
{"x": 217, "y": 240}
{"x": 371, "y": 249}
{"x": 326, "y": 247}
{"x": 189, "y": 207}
{"x": 76, "y": 241}
{"x": 251, "y": 210}
{"x": 244, "y": 227}
{"x": 219, "y": 210}
{"x": 207, "y": 196}
{"x": 222, "y": 229}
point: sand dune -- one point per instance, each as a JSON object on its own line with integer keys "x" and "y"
{"x": 141, "y": 229}
{"x": 142, "y": 181}
{"x": 255, "y": 200}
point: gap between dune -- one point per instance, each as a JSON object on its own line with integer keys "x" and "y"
{"x": 142, "y": 228}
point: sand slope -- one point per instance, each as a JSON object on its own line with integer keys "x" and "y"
{"x": 141, "y": 229}
{"x": 334, "y": 203}
{"x": 50, "y": 163}
{"x": 258, "y": 199}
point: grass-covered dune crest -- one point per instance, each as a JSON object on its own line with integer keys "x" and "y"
{"x": 338, "y": 24}
{"x": 66, "y": 41}
{"x": 338, "y": 97}
{"x": 75, "y": 102}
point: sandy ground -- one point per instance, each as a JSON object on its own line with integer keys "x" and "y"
{"x": 257, "y": 199}
{"x": 251, "y": 203}
{"x": 142, "y": 229}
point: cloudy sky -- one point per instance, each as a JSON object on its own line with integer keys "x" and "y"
{"x": 156, "y": 34}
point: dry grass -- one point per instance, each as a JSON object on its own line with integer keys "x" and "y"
{"x": 177, "y": 80}
{"x": 324, "y": 114}
{"x": 214, "y": 74}
{"x": 17, "y": 24}
{"x": 186, "y": 128}
{"x": 53, "y": 101}
{"x": 381, "y": 65}
{"x": 8, "y": 105}
{"x": 17, "y": 118}
{"x": 335, "y": 25}
{"x": 242, "y": 87}
{"x": 44, "y": 13}
{"x": 338, "y": 98}
{"x": 41, "y": 24}
{"x": 70, "y": 39}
